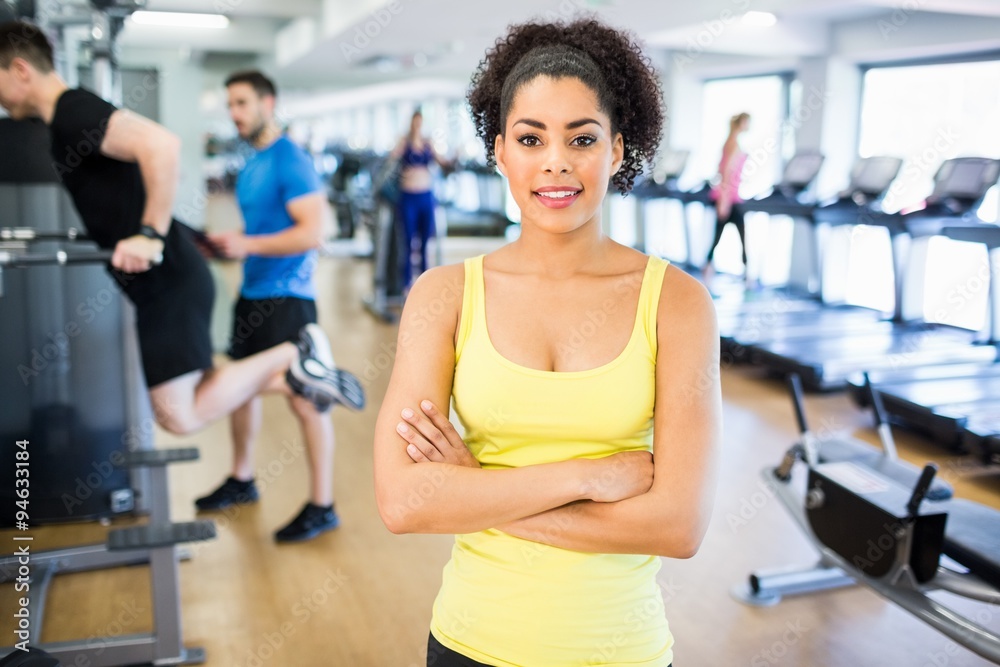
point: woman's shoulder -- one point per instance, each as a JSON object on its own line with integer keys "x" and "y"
{"x": 438, "y": 293}
{"x": 684, "y": 298}
{"x": 448, "y": 277}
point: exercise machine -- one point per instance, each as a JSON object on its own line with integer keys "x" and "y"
{"x": 776, "y": 318}
{"x": 880, "y": 532}
{"x": 956, "y": 405}
{"x": 662, "y": 186}
{"x": 473, "y": 202}
{"x": 62, "y": 436}
{"x": 791, "y": 197}
{"x": 826, "y": 361}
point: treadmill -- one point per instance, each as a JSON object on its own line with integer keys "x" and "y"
{"x": 869, "y": 182}
{"x": 956, "y": 405}
{"x": 826, "y": 361}
{"x": 787, "y": 197}
{"x": 662, "y": 184}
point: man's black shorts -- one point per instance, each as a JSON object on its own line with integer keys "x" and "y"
{"x": 259, "y": 324}
{"x": 173, "y": 309}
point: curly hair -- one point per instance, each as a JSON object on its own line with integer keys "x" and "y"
{"x": 606, "y": 60}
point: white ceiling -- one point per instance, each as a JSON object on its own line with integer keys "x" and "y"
{"x": 447, "y": 38}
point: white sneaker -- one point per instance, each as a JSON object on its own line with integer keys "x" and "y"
{"x": 314, "y": 377}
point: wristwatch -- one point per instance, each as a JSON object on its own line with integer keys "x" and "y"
{"x": 150, "y": 233}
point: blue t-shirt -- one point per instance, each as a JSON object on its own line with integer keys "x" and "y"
{"x": 271, "y": 178}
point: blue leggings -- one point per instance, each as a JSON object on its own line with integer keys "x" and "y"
{"x": 416, "y": 210}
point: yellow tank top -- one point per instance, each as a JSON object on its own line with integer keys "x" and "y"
{"x": 510, "y": 602}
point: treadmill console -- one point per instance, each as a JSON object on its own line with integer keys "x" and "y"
{"x": 671, "y": 166}
{"x": 872, "y": 176}
{"x": 800, "y": 171}
{"x": 965, "y": 179}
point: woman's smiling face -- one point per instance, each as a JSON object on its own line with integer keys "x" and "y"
{"x": 558, "y": 153}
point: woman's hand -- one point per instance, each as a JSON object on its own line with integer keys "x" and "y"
{"x": 619, "y": 476}
{"x": 432, "y": 437}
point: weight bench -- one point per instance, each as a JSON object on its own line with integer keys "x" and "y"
{"x": 886, "y": 462}
{"x": 872, "y": 529}
{"x": 154, "y": 543}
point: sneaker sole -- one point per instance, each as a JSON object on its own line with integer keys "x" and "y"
{"x": 212, "y": 508}
{"x": 305, "y": 537}
{"x": 333, "y": 386}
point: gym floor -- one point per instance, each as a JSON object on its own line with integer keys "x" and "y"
{"x": 360, "y": 596}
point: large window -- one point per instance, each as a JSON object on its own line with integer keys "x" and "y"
{"x": 767, "y": 144}
{"x": 764, "y": 98}
{"x": 926, "y": 114}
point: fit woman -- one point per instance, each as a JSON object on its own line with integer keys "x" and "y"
{"x": 416, "y": 197}
{"x": 585, "y": 374}
{"x": 726, "y": 192}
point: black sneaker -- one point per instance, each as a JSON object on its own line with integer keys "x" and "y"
{"x": 310, "y": 522}
{"x": 232, "y": 492}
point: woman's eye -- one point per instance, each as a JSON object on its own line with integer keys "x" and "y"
{"x": 529, "y": 140}
{"x": 584, "y": 140}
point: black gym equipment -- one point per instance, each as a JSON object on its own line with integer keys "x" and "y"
{"x": 879, "y": 531}
{"x": 73, "y": 389}
{"x": 488, "y": 217}
{"x": 786, "y": 316}
{"x": 20, "y": 165}
{"x": 825, "y": 362}
{"x": 74, "y": 404}
{"x": 343, "y": 194}
{"x": 790, "y": 197}
{"x": 31, "y": 657}
{"x": 389, "y": 241}
{"x": 956, "y": 405}
{"x": 72, "y": 463}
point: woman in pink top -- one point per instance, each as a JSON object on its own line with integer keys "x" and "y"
{"x": 726, "y": 192}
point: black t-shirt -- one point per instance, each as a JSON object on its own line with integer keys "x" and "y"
{"x": 109, "y": 194}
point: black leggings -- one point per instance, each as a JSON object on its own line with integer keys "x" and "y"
{"x": 735, "y": 217}
{"x": 439, "y": 655}
{"x": 442, "y": 656}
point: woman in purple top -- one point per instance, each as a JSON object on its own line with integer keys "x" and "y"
{"x": 416, "y": 198}
{"x": 726, "y": 192}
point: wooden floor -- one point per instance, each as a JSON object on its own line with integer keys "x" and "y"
{"x": 361, "y": 597}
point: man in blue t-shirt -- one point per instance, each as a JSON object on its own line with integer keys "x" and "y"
{"x": 284, "y": 211}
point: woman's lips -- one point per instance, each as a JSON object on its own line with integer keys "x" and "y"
{"x": 556, "y": 197}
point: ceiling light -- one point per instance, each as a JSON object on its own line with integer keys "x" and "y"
{"x": 759, "y": 19}
{"x": 179, "y": 19}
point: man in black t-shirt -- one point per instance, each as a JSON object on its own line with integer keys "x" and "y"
{"x": 121, "y": 171}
